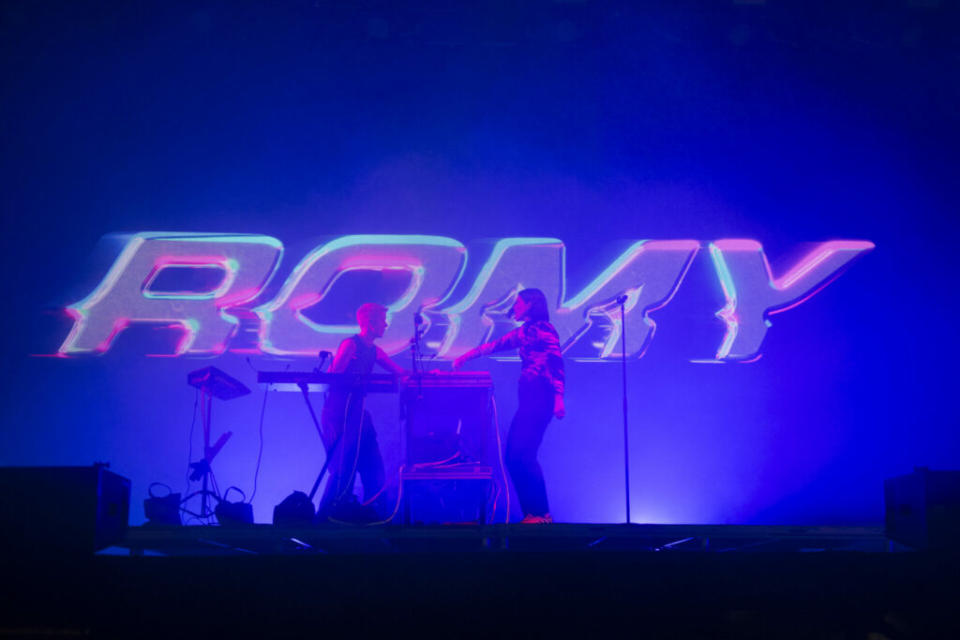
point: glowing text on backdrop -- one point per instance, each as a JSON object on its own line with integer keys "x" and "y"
{"x": 228, "y": 273}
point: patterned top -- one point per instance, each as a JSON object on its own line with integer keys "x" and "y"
{"x": 539, "y": 346}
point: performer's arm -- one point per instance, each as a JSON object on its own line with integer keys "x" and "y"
{"x": 344, "y": 353}
{"x": 384, "y": 361}
{"x": 555, "y": 371}
{"x": 509, "y": 341}
{"x": 558, "y": 380}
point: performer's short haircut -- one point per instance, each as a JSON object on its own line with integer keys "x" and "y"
{"x": 538, "y": 304}
{"x": 368, "y": 310}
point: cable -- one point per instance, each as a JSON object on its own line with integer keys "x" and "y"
{"x": 347, "y": 480}
{"x": 367, "y": 503}
{"x": 243, "y": 496}
{"x": 194, "y": 514}
{"x": 193, "y": 423}
{"x": 356, "y": 458}
{"x": 216, "y": 492}
{"x": 495, "y": 489}
{"x": 503, "y": 468}
{"x": 396, "y": 506}
{"x": 256, "y": 472}
{"x": 427, "y": 465}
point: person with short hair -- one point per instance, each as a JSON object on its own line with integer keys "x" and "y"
{"x": 345, "y": 418}
{"x": 541, "y": 389}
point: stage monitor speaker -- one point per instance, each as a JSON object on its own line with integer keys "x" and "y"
{"x": 923, "y": 509}
{"x": 62, "y": 510}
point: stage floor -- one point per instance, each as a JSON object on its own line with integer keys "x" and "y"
{"x": 269, "y": 539}
{"x": 585, "y": 580}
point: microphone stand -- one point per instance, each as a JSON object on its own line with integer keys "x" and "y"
{"x": 622, "y": 300}
{"x": 416, "y": 352}
{"x": 408, "y": 407}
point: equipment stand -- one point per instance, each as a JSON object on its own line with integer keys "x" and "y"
{"x": 416, "y": 351}
{"x": 305, "y": 390}
{"x": 201, "y": 469}
{"x": 212, "y": 383}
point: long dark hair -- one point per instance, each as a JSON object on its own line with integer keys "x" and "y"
{"x": 538, "y": 305}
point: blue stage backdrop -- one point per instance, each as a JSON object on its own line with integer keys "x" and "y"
{"x": 772, "y": 187}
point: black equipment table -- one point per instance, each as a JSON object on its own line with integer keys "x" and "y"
{"x": 448, "y": 421}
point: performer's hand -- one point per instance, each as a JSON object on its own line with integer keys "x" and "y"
{"x": 558, "y": 409}
{"x": 458, "y": 363}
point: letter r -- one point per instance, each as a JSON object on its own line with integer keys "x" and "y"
{"x": 127, "y": 294}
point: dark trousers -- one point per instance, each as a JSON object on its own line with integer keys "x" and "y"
{"x": 357, "y": 451}
{"x": 526, "y": 433}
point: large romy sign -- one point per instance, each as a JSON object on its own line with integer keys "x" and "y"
{"x": 205, "y": 284}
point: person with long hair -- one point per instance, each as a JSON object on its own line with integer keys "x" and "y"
{"x": 540, "y": 388}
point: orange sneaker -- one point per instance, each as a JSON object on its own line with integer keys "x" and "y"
{"x": 532, "y": 519}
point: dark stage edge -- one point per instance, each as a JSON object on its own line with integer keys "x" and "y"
{"x": 566, "y": 580}
{"x": 333, "y": 539}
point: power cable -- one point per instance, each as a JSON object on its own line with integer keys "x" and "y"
{"x": 193, "y": 423}
{"x": 503, "y": 468}
{"x": 256, "y": 472}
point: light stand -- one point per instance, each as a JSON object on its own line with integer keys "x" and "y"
{"x": 212, "y": 383}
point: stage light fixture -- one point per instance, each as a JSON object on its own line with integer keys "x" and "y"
{"x": 162, "y": 510}
{"x": 234, "y": 514}
{"x": 296, "y": 510}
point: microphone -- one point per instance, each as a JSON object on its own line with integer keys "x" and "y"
{"x": 418, "y": 329}
{"x": 323, "y": 355}
{"x": 622, "y": 299}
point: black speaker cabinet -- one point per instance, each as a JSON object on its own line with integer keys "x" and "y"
{"x": 923, "y": 509}
{"x": 47, "y": 510}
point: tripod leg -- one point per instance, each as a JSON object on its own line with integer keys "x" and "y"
{"x": 206, "y": 450}
{"x": 326, "y": 463}
{"x": 313, "y": 414}
{"x": 203, "y": 496}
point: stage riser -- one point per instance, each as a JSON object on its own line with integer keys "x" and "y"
{"x": 776, "y": 595}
